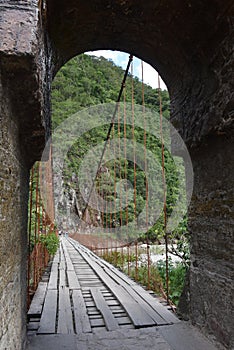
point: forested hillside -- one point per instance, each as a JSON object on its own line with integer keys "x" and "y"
{"x": 89, "y": 80}
{"x": 85, "y": 81}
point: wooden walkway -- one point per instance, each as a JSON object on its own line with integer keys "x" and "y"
{"x": 84, "y": 294}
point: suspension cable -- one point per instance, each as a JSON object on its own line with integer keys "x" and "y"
{"x": 120, "y": 170}
{"x": 164, "y": 191}
{"x": 146, "y": 181}
{"x": 109, "y": 132}
{"x": 134, "y": 169}
{"x": 36, "y": 228}
{"x": 30, "y": 231}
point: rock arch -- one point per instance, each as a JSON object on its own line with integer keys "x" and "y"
{"x": 191, "y": 44}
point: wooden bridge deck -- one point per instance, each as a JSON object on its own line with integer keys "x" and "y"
{"x": 88, "y": 304}
{"x": 85, "y": 293}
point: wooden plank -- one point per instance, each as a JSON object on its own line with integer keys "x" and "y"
{"x": 38, "y": 300}
{"x": 112, "y": 270}
{"x": 139, "y": 297}
{"x": 63, "y": 244}
{"x": 109, "y": 319}
{"x": 65, "y": 322}
{"x": 62, "y": 260}
{"x": 69, "y": 264}
{"x": 123, "y": 320}
{"x": 73, "y": 282}
{"x": 117, "y": 276}
{"x": 61, "y": 256}
{"x": 62, "y": 278}
{"x": 97, "y": 322}
{"x": 80, "y": 313}
{"x": 48, "y": 318}
{"x": 90, "y": 284}
{"x": 152, "y": 306}
{"x": 136, "y": 312}
{"x": 53, "y": 281}
{"x": 89, "y": 303}
{"x": 88, "y": 279}
{"x": 117, "y": 308}
{"x": 121, "y": 314}
{"x": 150, "y": 311}
{"x": 65, "y": 251}
{"x": 56, "y": 257}
{"x": 54, "y": 266}
{"x": 93, "y": 312}
{"x": 166, "y": 314}
{"x": 113, "y": 302}
{"x": 62, "y": 265}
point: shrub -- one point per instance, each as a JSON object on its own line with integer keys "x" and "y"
{"x": 51, "y": 242}
{"x": 118, "y": 259}
{"x": 177, "y": 274}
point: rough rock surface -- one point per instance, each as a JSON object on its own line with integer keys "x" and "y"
{"x": 22, "y": 137}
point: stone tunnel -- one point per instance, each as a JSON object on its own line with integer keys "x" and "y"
{"x": 190, "y": 43}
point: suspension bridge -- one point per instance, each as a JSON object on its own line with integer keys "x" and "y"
{"x": 80, "y": 300}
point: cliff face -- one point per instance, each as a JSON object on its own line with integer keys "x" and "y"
{"x": 67, "y": 208}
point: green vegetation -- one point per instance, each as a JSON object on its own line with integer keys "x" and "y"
{"x": 87, "y": 81}
{"x": 51, "y": 242}
{"x": 177, "y": 274}
{"x": 38, "y": 232}
{"x": 118, "y": 259}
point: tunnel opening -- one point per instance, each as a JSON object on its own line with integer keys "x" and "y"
{"x": 88, "y": 80}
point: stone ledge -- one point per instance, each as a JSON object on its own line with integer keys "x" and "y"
{"x": 18, "y": 28}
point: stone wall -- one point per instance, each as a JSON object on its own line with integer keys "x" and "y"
{"x": 13, "y": 217}
{"x": 206, "y": 122}
{"x": 203, "y": 103}
{"x": 22, "y": 137}
{"x": 211, "y": 226}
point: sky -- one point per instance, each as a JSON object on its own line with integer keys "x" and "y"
{"x": 121, "y": 59}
